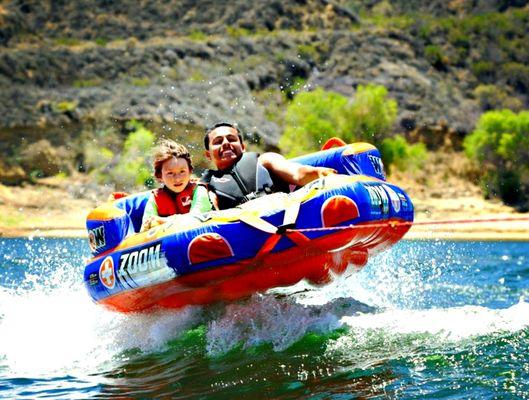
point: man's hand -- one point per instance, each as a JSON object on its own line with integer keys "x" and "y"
{"x": 311, "y": 173}
{"x": 291, "y": 172}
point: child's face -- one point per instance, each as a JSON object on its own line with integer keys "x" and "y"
{"x": 175, "y": 174}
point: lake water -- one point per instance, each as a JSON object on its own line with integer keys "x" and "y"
{"x": 427, "y": 319}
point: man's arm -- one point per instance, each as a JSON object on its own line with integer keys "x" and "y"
{"x": 291, "y": 172}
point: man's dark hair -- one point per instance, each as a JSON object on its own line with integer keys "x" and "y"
{"x": 212, "y": 128}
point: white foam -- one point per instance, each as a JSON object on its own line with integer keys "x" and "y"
{"x": 264, "y": 319}
{"x": 450, "y": 324}
{"x": 52, "y": 326}
{"x": 61, "y": 330}
{"x": 391, "y": 334}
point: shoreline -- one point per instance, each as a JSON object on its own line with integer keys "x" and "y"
{"x": 50, "y": 210}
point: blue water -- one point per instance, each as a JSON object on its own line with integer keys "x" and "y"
{"x": 427, "y": 319}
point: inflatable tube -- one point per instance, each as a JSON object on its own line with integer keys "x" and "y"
{"x": 273, "y": 241}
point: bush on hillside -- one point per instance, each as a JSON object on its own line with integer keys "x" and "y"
{"x": 370, "y": 116}
{"x": 485, "y": 71}
{"x": 128, "y": 168}
{"x": 313, "y": 117}
{"x": 396, "y": 151}
{"x": 501, "y": 145}
{"x": 516, "y": 75}
{"x": 492, "y": 97}
{"x": 434, "y": 55}
{"x": 133, "y": 168}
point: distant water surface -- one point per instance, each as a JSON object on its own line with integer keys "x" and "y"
{"x": 427, "y": 319}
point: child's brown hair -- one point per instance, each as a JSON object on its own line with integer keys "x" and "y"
{"x": 167, "y": 149}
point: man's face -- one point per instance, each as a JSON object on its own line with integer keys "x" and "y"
{"x": 225, "y": 147}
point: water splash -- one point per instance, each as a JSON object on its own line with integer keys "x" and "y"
{"x": 450, "y": 324}
{"x": 394, "y": 334}
{"x": 62, "y": 331}
{"x": 265, "y": 319}
{"x": 49, "y": 325}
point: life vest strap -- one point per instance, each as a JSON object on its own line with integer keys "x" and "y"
{"x": 257, "y": 222}
{"x": 277, "y": 232}
{"x": 257, "y": 194}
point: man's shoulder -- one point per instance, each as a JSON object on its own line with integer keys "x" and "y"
{"x": 210, "y": 174}
{"x": 249, "y": 155}
{"x": 206, "y": 175}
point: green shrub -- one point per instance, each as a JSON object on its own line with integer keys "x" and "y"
{"x": 125, "y": 167}
{"x": 80, "y": 83}
{"x": 198, "y": 36}
{"x": 425, "y": 29}
{"x": 100, "y": 41}
{"x": 390, "y": 21}
{"x": 370, "y": 116}
{"x": 396, "y": 151}
{"x": 435, "y": 56}
{"x": 140, "y": 82}
{"x": 308, "y": 51}
{"x": 516, "y": 75}
{"x": 459, "y": 38}
{"x": 64, "y": 106}
{"x": 295, "y": 86}
{"x": 484, "y": 70}
{"x": 197, "y": 76}
{"x": 313, "y": 117}
{"x": 66, "y": 41}
{"x": 492, "y": 97}
{"x": 237, "y": 32}
{"x": 133, "y": 167}
{"x": 501, "y": 145}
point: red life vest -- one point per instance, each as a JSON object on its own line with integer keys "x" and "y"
{"x": 170, "y": 203}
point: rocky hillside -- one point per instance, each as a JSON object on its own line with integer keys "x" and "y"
{"x": 69, "y": 68}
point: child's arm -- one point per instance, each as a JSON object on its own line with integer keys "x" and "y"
{"x": 151, "y": 210}
{"x": 150, "y": 215}
{"x": 201, "y": 202}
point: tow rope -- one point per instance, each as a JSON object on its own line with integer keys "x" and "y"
{"x": 395, "y": 224}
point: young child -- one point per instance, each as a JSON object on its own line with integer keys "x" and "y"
{"x": 180, "y": 193}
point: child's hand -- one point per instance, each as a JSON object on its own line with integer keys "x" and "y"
{"x": 151, "y": 222}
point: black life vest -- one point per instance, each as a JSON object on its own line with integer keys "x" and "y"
{"x": 245, "y": 181}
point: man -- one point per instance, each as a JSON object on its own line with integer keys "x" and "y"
{"x": 242, "y": 176}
